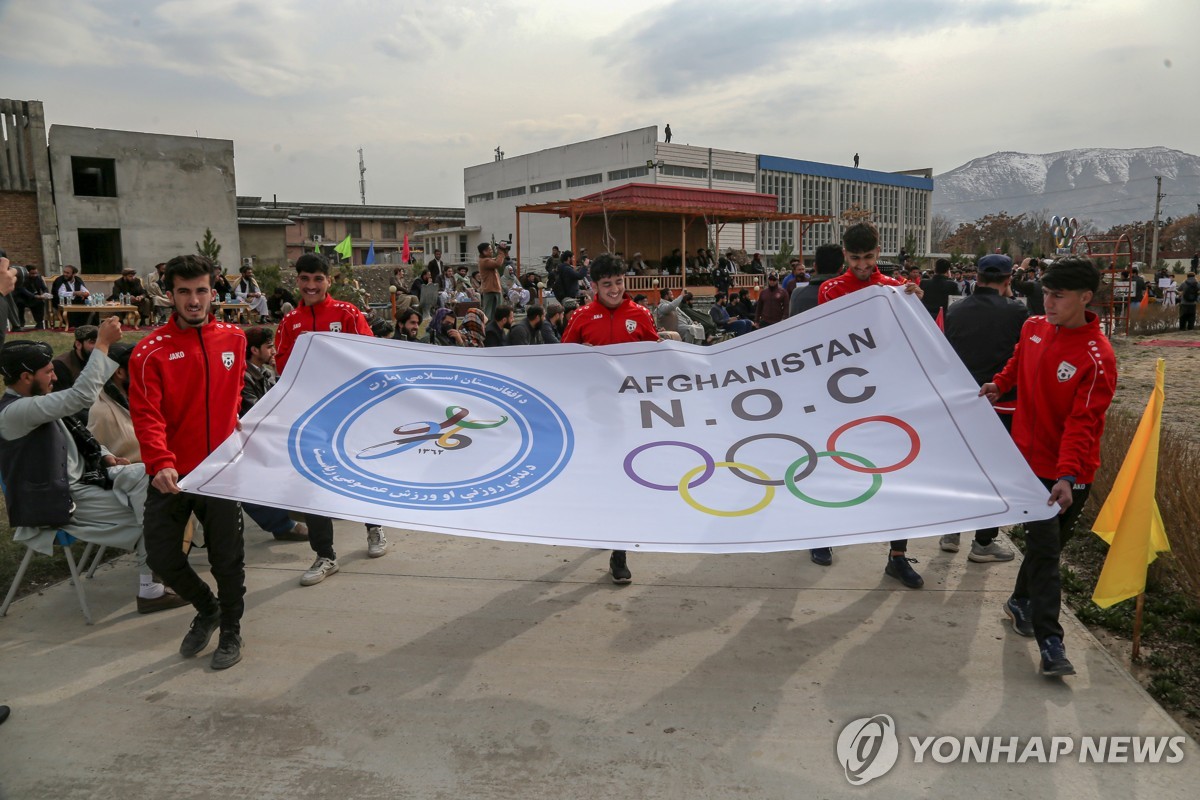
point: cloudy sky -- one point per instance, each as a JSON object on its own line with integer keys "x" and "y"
{"x": 429, "y": 87}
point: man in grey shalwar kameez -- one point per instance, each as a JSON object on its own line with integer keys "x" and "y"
{"x": 56, "y": 476}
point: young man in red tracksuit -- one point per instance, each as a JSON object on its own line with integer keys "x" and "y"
{"x": 318, "y": 311}
{"x": 1065, "y": 374}
{"x": 611, "y": 318}
{"x": 185, "y": 389}
{"x": 860, "y": 247}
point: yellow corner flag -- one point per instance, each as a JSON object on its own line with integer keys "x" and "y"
{"x": 1129, "y": 520}
{"x": 344, "y": 249}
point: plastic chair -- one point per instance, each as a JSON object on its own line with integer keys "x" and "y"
{"x": 63, "y": 540}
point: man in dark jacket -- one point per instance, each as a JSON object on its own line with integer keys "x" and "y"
{"x": 1189, "y": 293}
{"x": 569, "y": 277}
{"x": 531, "y": 330}
{"x": 984, "y": 330}
{"x": 827, "y": 263}
{"x": 940, "y": 288}
{"x": 32, "y": 294}
{"x": 495, "y": 333}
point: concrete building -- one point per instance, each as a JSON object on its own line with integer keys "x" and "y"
{"x": 134, "y": 199}
{"x": 27, "y": 220}
{"x": 899, "y": 202}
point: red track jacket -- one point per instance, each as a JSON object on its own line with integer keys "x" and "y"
{"x": 327, "y": 315}
{"x": 596, "y": 324}
{"x": 185, "y": 388}
{"x": 1065, "y": 378}
{"x": 846, "y": 283}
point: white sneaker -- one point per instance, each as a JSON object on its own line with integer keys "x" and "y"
{"x": 321, "y": 569}
{"x": 949, "y": 542}
{"x": 376, "y": 542}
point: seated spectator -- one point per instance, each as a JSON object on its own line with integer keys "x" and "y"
{"x": 257, "y": 381}
{"x": 90, "y": 493}
{"x": 280, "y": 303}
{"x": 726, "y": 321}
{"x": 108, "y": 419}
{"x": 555, "y": 322}
{"x": 529, "y": 330}
{"x": 130, "y": 287}
{"x": 443, "y": 329}
{"x": 70, "y": 364}
{"x": 495, "y": 333}
{"x": 32, "y": 294}
{"x": 68, "y": 288}
{"x": 223, "y": 289}
{"x": 756, "y": 266}
{"x": 157, "y": 290}
{"x": 474, "y": 328}
{"x": 247, "y": 291}
{"x": 408, "y": 325}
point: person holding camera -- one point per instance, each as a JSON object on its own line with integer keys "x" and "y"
{"x": 490, "y": 264}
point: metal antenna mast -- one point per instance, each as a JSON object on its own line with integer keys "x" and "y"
{"x": 362, "y": 177}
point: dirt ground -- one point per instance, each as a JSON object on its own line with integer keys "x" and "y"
{"x": 1172, "y": 651}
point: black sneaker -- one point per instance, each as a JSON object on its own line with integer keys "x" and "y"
{"x": 898, "y": 567}
{"x": 821, "y": 555}
{"x": 1018, "y": 612}
{"x": 228, "y": 652}
{"x": 616, "y": 565}
{"x": 1054, "y": 659}
{"x": 202, "y": 630}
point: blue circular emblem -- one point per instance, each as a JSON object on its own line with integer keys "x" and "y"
{"x": 432, "y": 437}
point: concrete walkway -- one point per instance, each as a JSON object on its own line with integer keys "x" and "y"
{"x": 463, "y": 668}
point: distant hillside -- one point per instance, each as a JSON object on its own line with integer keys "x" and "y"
{"x": 1107, "y": 186}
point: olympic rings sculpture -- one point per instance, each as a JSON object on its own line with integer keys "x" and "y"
{"x": 1063, "y": 229}
{"x": 796, "y": 471}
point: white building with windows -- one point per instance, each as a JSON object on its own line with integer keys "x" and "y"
{"x": 899, "y": 202}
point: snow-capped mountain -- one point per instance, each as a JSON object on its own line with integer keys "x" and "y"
{"x": 1107, "y": 186}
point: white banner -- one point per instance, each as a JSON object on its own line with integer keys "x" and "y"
{"x": 854, "y": 422}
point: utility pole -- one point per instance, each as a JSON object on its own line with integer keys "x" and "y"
{"x": 1158, "y": 196}
{"x": 362, "y": 177}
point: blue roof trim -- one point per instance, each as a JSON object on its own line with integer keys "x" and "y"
{"x": 779, "y": 164}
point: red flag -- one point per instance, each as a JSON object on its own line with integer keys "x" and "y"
{"x": 941, "y": 320}
{"x": 404, "y": 253}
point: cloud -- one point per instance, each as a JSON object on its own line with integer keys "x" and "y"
{"x": 688, "y": 44}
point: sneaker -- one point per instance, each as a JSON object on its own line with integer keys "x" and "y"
{"x": 898, "y": 568}
{"x": 321, "y": 569}
{"x": 228, "y": 652}
{"x": 949, "y": 542}
{"x": 1018, "y": 612}
{"x": 618, "y": 568}
{"x": 821, "y": 555}
{"x": 1054, "y": 659}
{"x": 376, "y": 542}
{"x": 201, "y": 631}
{"x": 993, "y": 551}
{"x": 298, "y": 533}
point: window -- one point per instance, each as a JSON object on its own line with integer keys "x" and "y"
{"x": 685, "y": 172}
{"x": 316, "y": 227}
{"x": 513, "y": 192}
{"x": 480, "y": 198}
{"x": 729, "y": 175}
{"x": 354, "y": 229}
{"x": 549, "y": 186}
{"x": 100, "y": 250}
{"x": 387, "y": 230}
{"x": 584, "y": 180}
{"x": 631, "y": 172}
{"x": 94, "y": 177}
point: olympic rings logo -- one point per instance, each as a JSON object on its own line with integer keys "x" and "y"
{"x": 795, "y": 472}
{"x": 1063, "y": 229}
